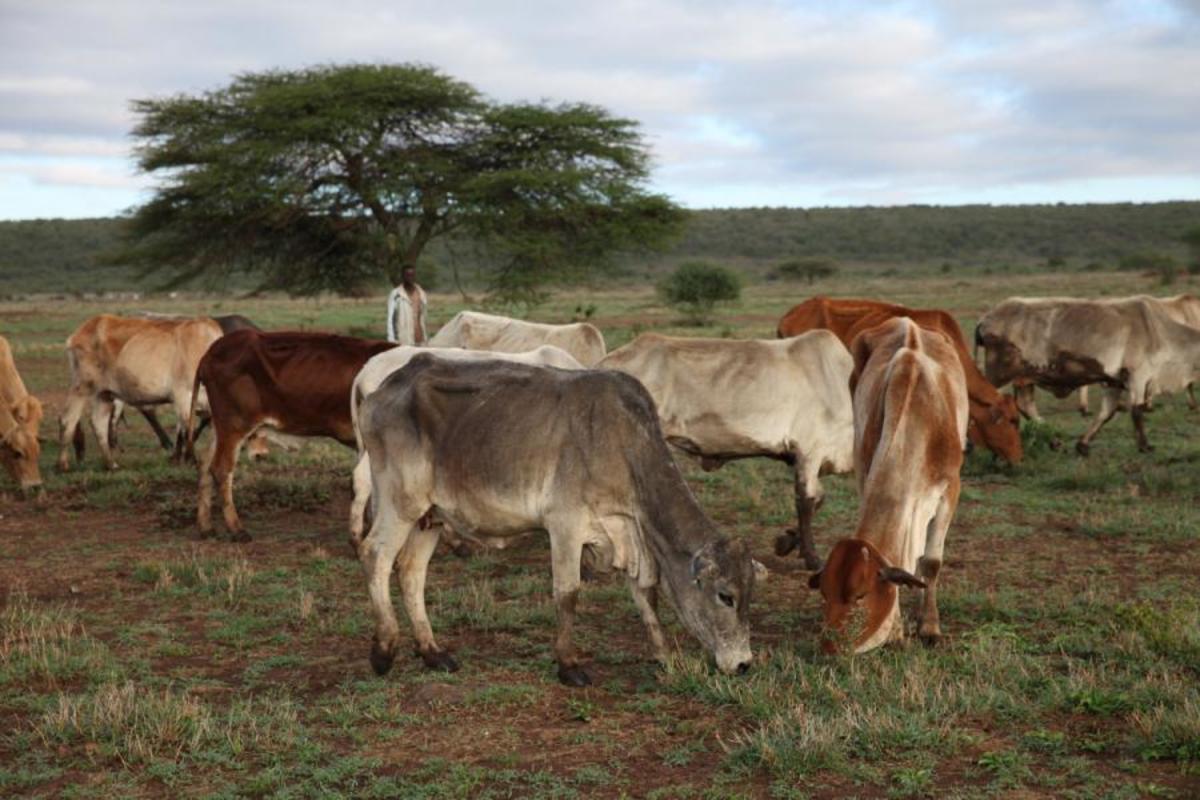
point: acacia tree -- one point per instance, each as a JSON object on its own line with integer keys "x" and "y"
{"x": 338, "y": 177}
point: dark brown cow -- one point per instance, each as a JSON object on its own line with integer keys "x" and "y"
{"x": 296, "y": 383}
{"x": 994, "y": 416}
{"x": 910, "y": 421}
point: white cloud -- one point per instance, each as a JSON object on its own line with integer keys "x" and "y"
{"x": 836, "y": 102}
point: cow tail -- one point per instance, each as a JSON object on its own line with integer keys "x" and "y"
{"x": 978, "y": 343}
{"x": 191, "y": 423}
{"x": 355, "y": 401}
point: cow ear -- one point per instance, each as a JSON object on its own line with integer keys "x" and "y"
{"x": 761, "y": 573}
{"x": 900, "y": 577}
{"x": 703, "y": 564}
{"x": 20, "y": 411}
{"x": 814, "y": 580}
{"x": 860, "y": 349}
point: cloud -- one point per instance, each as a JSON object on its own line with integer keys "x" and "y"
{"x": 839, "y": 102}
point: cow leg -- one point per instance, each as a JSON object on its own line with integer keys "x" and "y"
{"x": 566, "y": 552}
{"x": 808, "y": 493}
{"x": 1082, "y": 402}
{"x": 1023, "y": 395}
{"x": 413, "y": 566}
{"x": 1138, "y": 414}
{"x": 190, "y": 447}
{"x": 930, "y": 564}
{"x": 646, "y": 600}
{"x": 1191, "y": 393}
{"x": 69, "y": 430}
{"x": 1108, "y": 407}
{"x": 217, "y": 465}
{"x": 152, "y": 418}
{"x": 223, "y": 472}
{"x": 102, "y": 414}
{"x": 361, "y": 482}
{"x": 388, "y": 534}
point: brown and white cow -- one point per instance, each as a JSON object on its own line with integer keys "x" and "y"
{"x": 20, "y": 415}
{"x": 375, "y": 371}
{"x": 725, "y": 399}
{"x": 474, "y": 330}
{"x": 1129, "y": 345}
{"x": 497, "y": 450}
{"x": 141, "y": 362}
{"x": 910, "y": 425}
{"x": 994, "y": 416}
{"x": 295, "y": 383}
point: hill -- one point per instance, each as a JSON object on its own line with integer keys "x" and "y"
{"x": 64, "y": 255}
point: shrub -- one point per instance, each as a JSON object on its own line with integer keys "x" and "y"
{"x": 696, "y": 287}
{"x": 809, "y": 268}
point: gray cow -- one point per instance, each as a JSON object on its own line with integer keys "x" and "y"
{"x": 497, "y": 450}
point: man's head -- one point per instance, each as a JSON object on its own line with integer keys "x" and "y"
{"x": 409, "y": 276}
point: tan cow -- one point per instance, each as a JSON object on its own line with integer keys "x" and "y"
{"x": 20, "y": 415}
{"x": 473, "y": 330}
{"x": 1129, "y": 345}
{"x": 376, "y": 371}
{"x": 724, "y": 399}
{"x": 910, "y": 425}
{"x": 141, "y": 362}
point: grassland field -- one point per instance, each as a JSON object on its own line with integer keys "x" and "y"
{"x": 136, "y": 661}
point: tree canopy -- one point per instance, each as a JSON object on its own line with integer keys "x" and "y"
{"x": 338, "y": 177}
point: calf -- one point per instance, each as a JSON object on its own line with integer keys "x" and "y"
{"x": 496, "y": 450}
{"x": 910, "y": 423}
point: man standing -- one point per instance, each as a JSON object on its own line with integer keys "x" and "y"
{"x": 406, "y": 310}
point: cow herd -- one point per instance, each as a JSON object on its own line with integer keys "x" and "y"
{"x": 501, "y": 427}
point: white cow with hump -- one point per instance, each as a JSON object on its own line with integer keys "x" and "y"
{"x": 724, "y": 399}
{"x": 376, "y": 371}
{"x": 474, "y": 330}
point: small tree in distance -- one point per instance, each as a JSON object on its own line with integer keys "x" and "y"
{"x": 809, "y": 268}
{"x": 695, "y": 287}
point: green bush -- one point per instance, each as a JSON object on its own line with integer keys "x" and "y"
{"x": 695, "y": 287}
{"x": 809, "y": 268}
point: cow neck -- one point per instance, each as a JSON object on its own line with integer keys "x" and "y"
{"x": 678, "y": 526}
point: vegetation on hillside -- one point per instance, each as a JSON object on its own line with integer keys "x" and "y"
{"x": 63, "y": 255}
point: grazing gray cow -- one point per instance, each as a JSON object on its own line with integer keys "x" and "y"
{"x": 496, "y": 450}
{"x": 375, "y": 371}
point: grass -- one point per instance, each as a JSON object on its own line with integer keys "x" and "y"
{"x": 136, "y": 661}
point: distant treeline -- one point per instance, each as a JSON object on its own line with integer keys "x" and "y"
{"x": 66, "y": 255}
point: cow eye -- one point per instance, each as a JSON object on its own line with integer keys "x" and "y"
{"x": 726, "y": 598}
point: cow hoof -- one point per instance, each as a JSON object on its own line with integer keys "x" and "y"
{"x": 463, "y": 550}
{"x": 440, "y": 661}
{"x": 930, "y": 639}
{"x": 813, "y": 563}
{"x": 573, "y": 676}
{"x": 1083, "y": 448}
{"x": 786, "y": 543}
{"x": 381, "y": 659}
{"x": 240, "y": 537}
{"x": 1083, "y": 412}
{"x": 1146, "y": 448}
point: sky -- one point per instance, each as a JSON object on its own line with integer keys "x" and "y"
{"x": 756, "y": 103}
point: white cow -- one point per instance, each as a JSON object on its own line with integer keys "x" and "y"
{"x": 723, "y": 399}
{"x": 376, "y": 371}
{"x": 473, "y": 330}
